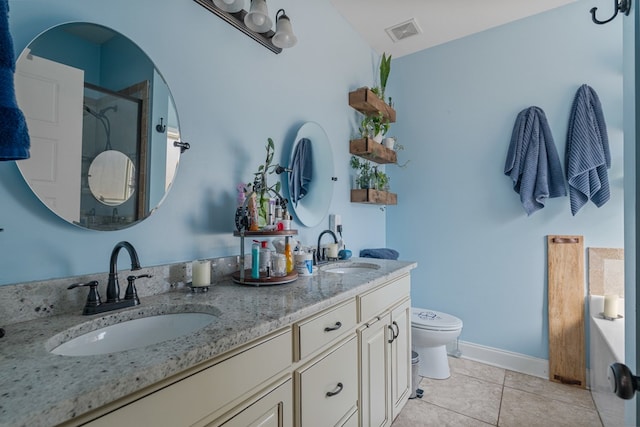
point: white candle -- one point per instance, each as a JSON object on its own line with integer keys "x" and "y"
{"x": 611, "y": 306}
{"x": 201, "y": 273}
{"x": 332, "y": 250}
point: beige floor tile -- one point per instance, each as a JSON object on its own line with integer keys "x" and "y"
{"x": 549, "y": 389}
{"x": 478, "y": 370}
{"x": 520, "y": 408}
{"x": 465, "y": 395}
{"x": 418, "y": 413}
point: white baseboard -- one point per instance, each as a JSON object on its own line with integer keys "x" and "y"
{"x": 505, "y": 359}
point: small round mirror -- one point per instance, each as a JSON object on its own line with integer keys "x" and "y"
{"x": 314, "y": 205}
{"x": 112, "y": 178}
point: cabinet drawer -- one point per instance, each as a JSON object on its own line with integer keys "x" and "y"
{"x": 328, "y": 388}
{"x": 376, "y": 301}
{"x": 314, "y": 333}
{"x": 202, "y": 394}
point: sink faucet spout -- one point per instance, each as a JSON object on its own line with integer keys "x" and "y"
{"x": 113, "y": 287}
{"x": 319, "y": 255}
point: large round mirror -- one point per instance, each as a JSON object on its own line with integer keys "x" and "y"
{"x": 102, "y": 124}
{"x": 310, "y": 180}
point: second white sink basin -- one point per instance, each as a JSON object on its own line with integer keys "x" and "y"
{"x": 351, "y": 268}
{"x": 135, "y": 333}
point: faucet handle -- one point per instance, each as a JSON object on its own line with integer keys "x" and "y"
{"x": 93, "y": 299}
{"x": 132, "y": 293}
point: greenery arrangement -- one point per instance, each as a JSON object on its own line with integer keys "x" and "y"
{"x": 261, "y": 188}
{"x": 385, "y": 70}
{"x": 369, "y": 176}
{"x": 375, "y": 125}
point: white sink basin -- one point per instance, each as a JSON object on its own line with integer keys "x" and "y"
{"x": 135, "y": 333}
{"x": 351, "y": 268}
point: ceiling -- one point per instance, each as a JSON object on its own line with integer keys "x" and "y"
{"x": 440, "y": 21}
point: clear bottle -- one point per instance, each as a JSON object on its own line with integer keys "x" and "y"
{"x": 255, "y": 260}
{"x": 265, "y": 258}
{"x": 288, "y": 253}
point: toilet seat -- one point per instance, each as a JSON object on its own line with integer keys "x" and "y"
{"x": 432, "y": 320}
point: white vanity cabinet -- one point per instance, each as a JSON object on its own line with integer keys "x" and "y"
{"x": 345, "y": 365}
{"x": 207, "y": 396}
{"x": 385, "y": 352}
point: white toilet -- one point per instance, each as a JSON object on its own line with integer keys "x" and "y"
{"x": 431, "y": 331}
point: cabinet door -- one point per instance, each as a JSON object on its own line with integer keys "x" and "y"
{"x": 275, "y": 409}
{"x": 375, "y": 402}
{"x": 401, "y": 356}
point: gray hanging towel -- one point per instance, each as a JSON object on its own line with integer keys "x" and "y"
{"x": 588, "y": 156}
{"x": 14, "y": 136}
{"x": 301, "y": 170}
{"x": 533, "y": 162}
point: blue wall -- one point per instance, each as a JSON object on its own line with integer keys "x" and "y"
{"x": 231, "y": 95}
{"x": 479, "y": 256}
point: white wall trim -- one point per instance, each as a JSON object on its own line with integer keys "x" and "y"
{"x": 505, "y": 359}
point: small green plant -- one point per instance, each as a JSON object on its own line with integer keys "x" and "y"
{"x": 374, "y": 125}
{"x": 364, "y": 171}
{"x": 385, "y": 69}
{"x": 262, "y": 188}
{"x": 381, "y": 179}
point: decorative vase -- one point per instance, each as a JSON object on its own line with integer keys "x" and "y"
{"x": 378, "y": 138}
{"x": 389, "y": 142}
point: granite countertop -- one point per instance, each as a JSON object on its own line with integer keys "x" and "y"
{"x": 39, "y": 388}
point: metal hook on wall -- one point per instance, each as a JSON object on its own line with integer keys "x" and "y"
{"x": 183, "y": 145}
{"x": 161, "y": 127}
{"x": 623, "y": 6}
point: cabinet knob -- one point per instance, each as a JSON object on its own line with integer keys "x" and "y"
{"x": 339, "y": 388}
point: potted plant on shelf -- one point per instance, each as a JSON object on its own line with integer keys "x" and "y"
{"x": 374, "y": 126}
{"x": 364, "y": 172}
{"x": 385, "y": 69}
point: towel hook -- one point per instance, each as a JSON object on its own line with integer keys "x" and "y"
{"x": 623, "y": 6}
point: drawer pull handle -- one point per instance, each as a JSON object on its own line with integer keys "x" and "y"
{"x": 333, "y": 328}
{"x": 333, "y": 393}
{"x": 394, "y": 332}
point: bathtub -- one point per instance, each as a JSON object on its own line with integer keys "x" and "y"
{"x": 606, "y": 346}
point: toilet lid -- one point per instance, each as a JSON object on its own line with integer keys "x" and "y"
{"x": 434, "y": 320}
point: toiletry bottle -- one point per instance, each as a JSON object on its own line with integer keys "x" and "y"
{"x": 255, "y": 260}
{"x": 265, "y": 258}
{"x": 288, "y": 253}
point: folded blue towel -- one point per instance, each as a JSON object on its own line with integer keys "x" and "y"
{"x": 301, "y": 171}
{"x": 532, "y": 161}
{"x": 588, "y": 156}
{"x": 381, "y": 253}
{"x": 14, "y": 136}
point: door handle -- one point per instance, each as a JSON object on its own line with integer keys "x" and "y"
{"x": 623, "y": 383}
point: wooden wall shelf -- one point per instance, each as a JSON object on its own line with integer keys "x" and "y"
{"x": 368, "y": 103}
{"x": 374, "y": 197}
{"x": 368, "y": 149}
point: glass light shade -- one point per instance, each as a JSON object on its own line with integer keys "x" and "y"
{"x": 284, "y": 37}
{"x": 258, "y": 17}
{"x": 231, "y": 6}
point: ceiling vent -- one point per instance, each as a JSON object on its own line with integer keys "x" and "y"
{"x": 404, "y": 30}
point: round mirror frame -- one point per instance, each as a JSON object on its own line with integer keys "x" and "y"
{"x": 41, "y": 167}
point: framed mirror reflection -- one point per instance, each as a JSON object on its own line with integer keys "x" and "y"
{"x": 92, "y": 99}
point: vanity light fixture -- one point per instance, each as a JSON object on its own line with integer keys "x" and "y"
{"x": 255, "y": 23}
{"x": 231, "y": 6}
{"x": 284, "y": 37}
{"x": 258, "y": 17}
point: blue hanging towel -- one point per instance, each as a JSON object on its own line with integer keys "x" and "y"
{"x": 588, "y": 156}
{"x": 301, "y": 171}
{"x": 14, "y": 136}
{"x": 533, "y": 162}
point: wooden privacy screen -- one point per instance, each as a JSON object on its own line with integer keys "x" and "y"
{"x": 565, "y": 258}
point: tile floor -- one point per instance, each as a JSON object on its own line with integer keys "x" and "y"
{"x": 481, "y": 395}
